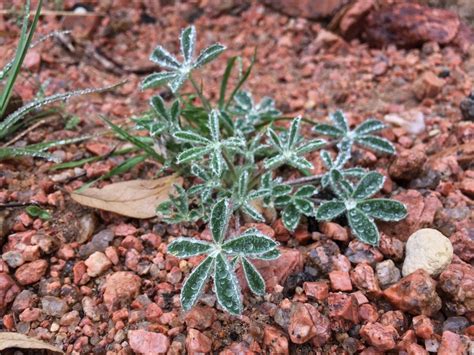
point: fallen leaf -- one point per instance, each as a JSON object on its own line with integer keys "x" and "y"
{"x": 134, "y": 198}
{"x": 16, "y": 340}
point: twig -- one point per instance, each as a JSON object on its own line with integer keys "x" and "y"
{"x": 304, "y": 180}
{"x": 17, "y": 204}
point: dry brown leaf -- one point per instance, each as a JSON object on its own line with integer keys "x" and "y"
{"x": 16, "y": 340}
{"x": 134, "y": 198}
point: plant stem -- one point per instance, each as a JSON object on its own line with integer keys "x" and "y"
{"x": 203, "y": 99}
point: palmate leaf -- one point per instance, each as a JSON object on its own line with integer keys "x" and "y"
{"x": 209, "y": 54}
{"x": 226, "y": 286}
{"x": 250, "y": 243}
{"x": 220, "y": 216}
{"x": 186, "y": 247}
{"x": 341, "y": 187}
{"x": 363, "y": 226}
{"x": 252, "y": 212}
{"x": 340, "y": 120}
{"x": 192, "y": 154}
{"x": 383, "y": 209}
{"x": 369, "y": 126}
{"x": 254, "y": 279}
{"x": 328, "y": 130}
{"x": 157, "y": 79}
{"x": 194, "y": 284}
{"x": 291, "y": 217}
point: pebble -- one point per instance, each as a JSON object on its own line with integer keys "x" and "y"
{"x": 363, "y": 277}
{"x": 467, "y": 107}
{"x": 318, "y": 290}
{"x": 200, "y": 317}
{"x": 382, "y": 337}
{"x": 8, "y": 290}
{"x": 451, "y": 343}
{"x": 423, "y": 326}
{"x": 415, "y": 293}
{"x": 54, "y": 306}
{"x": 387, "y": 273}
{"x": 456, "y": 324}
{"x": 99, "y": 242}
{"x": 23, "y": 300}
{"x": 340, "y": 280}
{"x": 30, "y": 273}
{"x": 343, "y": 306}
{"x": 427, "y": 249}
{"x": 120, "y": 288}
{"x": 275, "y": 341}
{"x": 301, "y": 328}
{"x": 97, "y": 264}
{"x": 197, "y": 342}
{"x": 147, "y": 343}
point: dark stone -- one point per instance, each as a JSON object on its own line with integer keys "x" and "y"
{"x": 467, "y": 107}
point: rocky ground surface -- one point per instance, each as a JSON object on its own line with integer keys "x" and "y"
{"x": 94, "y": 282}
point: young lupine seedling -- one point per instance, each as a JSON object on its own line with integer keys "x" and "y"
{"x": 232, "y": 153}
{"x": 222, "y": 258}
{"x": 359, "y": 208}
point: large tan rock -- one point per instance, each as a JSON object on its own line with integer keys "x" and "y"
{"x": 427, "y": 249}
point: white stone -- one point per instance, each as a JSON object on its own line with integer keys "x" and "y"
{"x": 427, "y": 249}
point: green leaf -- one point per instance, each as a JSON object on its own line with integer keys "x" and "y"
{"x": 186, "y": 247}
{"x": 300, "y": 163}
{"x": 339, "y": 185}
{"x": 157, "y": 79}
{"x": 190, "y": 137}
{"x": 35, "y": 211}
{"x": 274, "y": 139}
{"x": 178, "y": 82}
{"x": 254, "y": 279}
{"x": 243, "y": 183}
{"x": 209, "y": 54}
{"x": 281, "y": 190}
{"x": 164, "y": 58}
{"x": 330, "y": 210}
{"x": 252, "y": 212}
{"x": 134, "y": 140}
{"x": 306, "y": 191}
{"x": 383, "y": 209}
{"x": 214, "y": 125}
{"x": 304, "y": 206}
{"x": 273, "y": 162}
{"x": 310, "y": 146}
{"x": 369, "y": 185}
{"x": 192, "y": 154}
{"x": 188, "y": 43}
{"x": 328, "y": 130}
{"x": 293, "y": 134}
{"x": 363, "y": 227}
{"x": 291, "y": 217}
{"x": 282, "y": 201}
{"x": 270, "y": 255}
{"x": 326, "y": 158}
{"x": 369, "y": 126}
{"x": 217, "y": 162}
{"x": 226, "y": 286}
{"x": 220, "y": 216}
{"x": 194, "y": 284}
{"x": 158, "y": 105}
{"x": 376, "y": 143}
{"x": 225, "y": 81}
{"x": 249, "y": 243}
{"x": 340, "y": 121}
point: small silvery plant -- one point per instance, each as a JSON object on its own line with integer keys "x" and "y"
{"x": 234, "y": 157}
{"x": 222, "y": 257}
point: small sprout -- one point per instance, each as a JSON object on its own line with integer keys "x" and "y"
{"x": 222, "y": 258}
{"x": 290, "y": 149}
{"x": 35, "y": 211}
{"x": 295, "y": 205}
{"x": 360, "y": 209}
{"x": 178, "y": 72}
{"x": 360, "y": 135}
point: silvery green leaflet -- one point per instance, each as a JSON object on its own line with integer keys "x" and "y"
{"x": 233, "y": 152}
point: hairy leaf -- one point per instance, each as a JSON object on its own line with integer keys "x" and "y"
{"x": 328, "y": 130}
{"x": 226, "y": 286}
{"x": 340, "y": 120}
{"x": 188, "y": 43}
{"x": 186, "y": 247}
{"x": 209, "y": 54}
{"x": 249, "y": 243}
{"x": 363, "y": 227}
{"x": 330, "y": 210}
{"x": 369, "y": 185}
{"x": 369, "y": 126}
{"x": 384, "y": 209}
{"x": 194, "y": 284}
{"x": 157, "y": 79}
{"x": 220, "y": 216}
{"x": 291, "y": 217}
{"x": 254, "y": 279}
{"x": 376, "y": 143}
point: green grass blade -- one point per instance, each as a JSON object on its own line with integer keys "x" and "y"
{"x": 225, "y": 80}
{"x": 134, "y": 140}
{"x": 242, "y": 80}
{"x": 23, "y": 46}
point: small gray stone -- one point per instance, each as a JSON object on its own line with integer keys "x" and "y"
{"x": 13, "y": 258}
{"x": 54, "y": 306}
{"x": 455, "y": 324}
{"x": 427, "y": 249}
{"x": 99, "y": 242}
{"x": 387, "y": 273}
